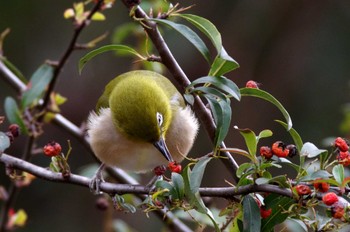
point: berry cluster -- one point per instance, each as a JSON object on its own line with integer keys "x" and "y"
{"x": 52, "y": 149}
{"x": 342, "y": 149}
{"x": 331, "y": 199}
{"x": 278, "y": 149}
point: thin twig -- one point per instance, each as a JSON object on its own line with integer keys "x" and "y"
{"x": 71, "y": 47}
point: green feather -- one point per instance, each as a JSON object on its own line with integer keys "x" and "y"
{"x": 135, "y": 98}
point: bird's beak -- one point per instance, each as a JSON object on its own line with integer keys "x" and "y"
{"x": 161, "y": 146}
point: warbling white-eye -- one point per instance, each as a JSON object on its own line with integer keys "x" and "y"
{"x": 141, "y": 122}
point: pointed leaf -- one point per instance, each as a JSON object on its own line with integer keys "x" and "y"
{"x": 268, "y": 97}
{"x": 189, "y": 34}
{"x": 197, "y": 173}
{"x": 251, "y": 215}
{"x": 4, "y": 142}
{"x": 310, "y": 150}
{"x": 250, "y": 140}
{"x": 205, "y": 26}
{"x": 192, "y": 193}
{"x": 320, "y": 174}
{"x": 107, "y": 48}
{"x": 279, "y": 205}
{"x": 14, "y": 69}
{"x": 222, "y": 64}
{"x": 39, "y": 81}
{"x": 243, "y": 168}
{"x": 98, "y": 16}
{"x": 264, "y": 134}
{"x": 210, "y": 91}
{"x": 189, "y": 98}
{"x": 295, "y": 135}
{"x": 296, "y": 225}
{"x": 221, "y": 83}
{"x": 13, "y": 114}
{"x": 222, "y": 113}
{"x": 179, "y": 184}
{"x": 338, "y": 173}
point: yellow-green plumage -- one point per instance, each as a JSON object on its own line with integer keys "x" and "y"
{"x": 136, "y": 110}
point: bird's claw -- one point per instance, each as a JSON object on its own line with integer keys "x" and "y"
{"x": 96, "y": 181}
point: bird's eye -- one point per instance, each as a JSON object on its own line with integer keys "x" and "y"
{"x": 159, "y": 119}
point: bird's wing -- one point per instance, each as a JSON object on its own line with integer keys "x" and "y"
{"x": 103, "y": 101}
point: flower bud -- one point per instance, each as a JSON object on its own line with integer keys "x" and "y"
{"x": 302, "y": 189}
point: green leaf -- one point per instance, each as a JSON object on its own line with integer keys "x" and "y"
{"x": 107, "y": 48}
{"x": 189, "y": 98}
{"x": 222, "y": 64}
{"x": 264, "y": 134}
{"x": 98, "y": 16}
{"x": 205, "y": 26}
{"x": 338, "y": 173}
{"x": 310, "y": 150}
{"x": 244, "y": 168}
{"x": 13, "y": 114}
{"x": 251, "y": 214}
{"x": 210, "y": 91}
{"x": 222, "y": 113}
{"x": 13, "y": 69}
{"x": 221, "y": 83}
{"x": 268, "y": 97}
{"x": 4, "y": 142}
{"x": 179, "y": 184}
{"x": 189, "y": 34}
{"x": 192, "y": 192}
{"x": 198, "y": 172}
{"x": 320, "y": 174}
{"x": 296, "y": 225}
{"x": 289, "y": 163}
{"x": 294, "y": 134}
{"x": 250, "y": 140}
{"x": 39, "y": 81}
{"x": 278, "y": 204}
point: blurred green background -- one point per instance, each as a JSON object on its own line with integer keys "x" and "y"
{"x": 298, "y": 50}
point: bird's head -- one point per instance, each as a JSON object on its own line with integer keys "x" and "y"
{"x": 141, "y": 110}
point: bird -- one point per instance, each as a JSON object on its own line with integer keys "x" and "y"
{"x": 141, "y": 121}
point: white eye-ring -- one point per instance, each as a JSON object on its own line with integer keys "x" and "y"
{"x": 159, "y": 119}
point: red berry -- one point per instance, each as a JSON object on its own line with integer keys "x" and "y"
{"x": 337, "y": 210}
{"x": 265, "y": 213}
{"x": 252, "y": 84}
{"x": 14, "y": 130}
{"x": 52, "y": 149}
{"x": 159, "y": 170}
{"x": 302, "y": 189}
{"x": 174, "y": 167}
{"x": 279, "y": 149}
{"x": 343, "y": 155}
{"x": 341, "y": 144}
{"x": 266, "y": 152}
{"x": 321, "y": 186}
{"x": 330, "y": 198}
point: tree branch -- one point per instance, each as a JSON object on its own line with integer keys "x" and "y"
{"x": 68, "y": 52}
{"x": 113, "y": 188}
{"x": 182, "y": 80}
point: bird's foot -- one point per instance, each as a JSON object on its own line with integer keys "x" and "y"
{"x": 96, "y": 180}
